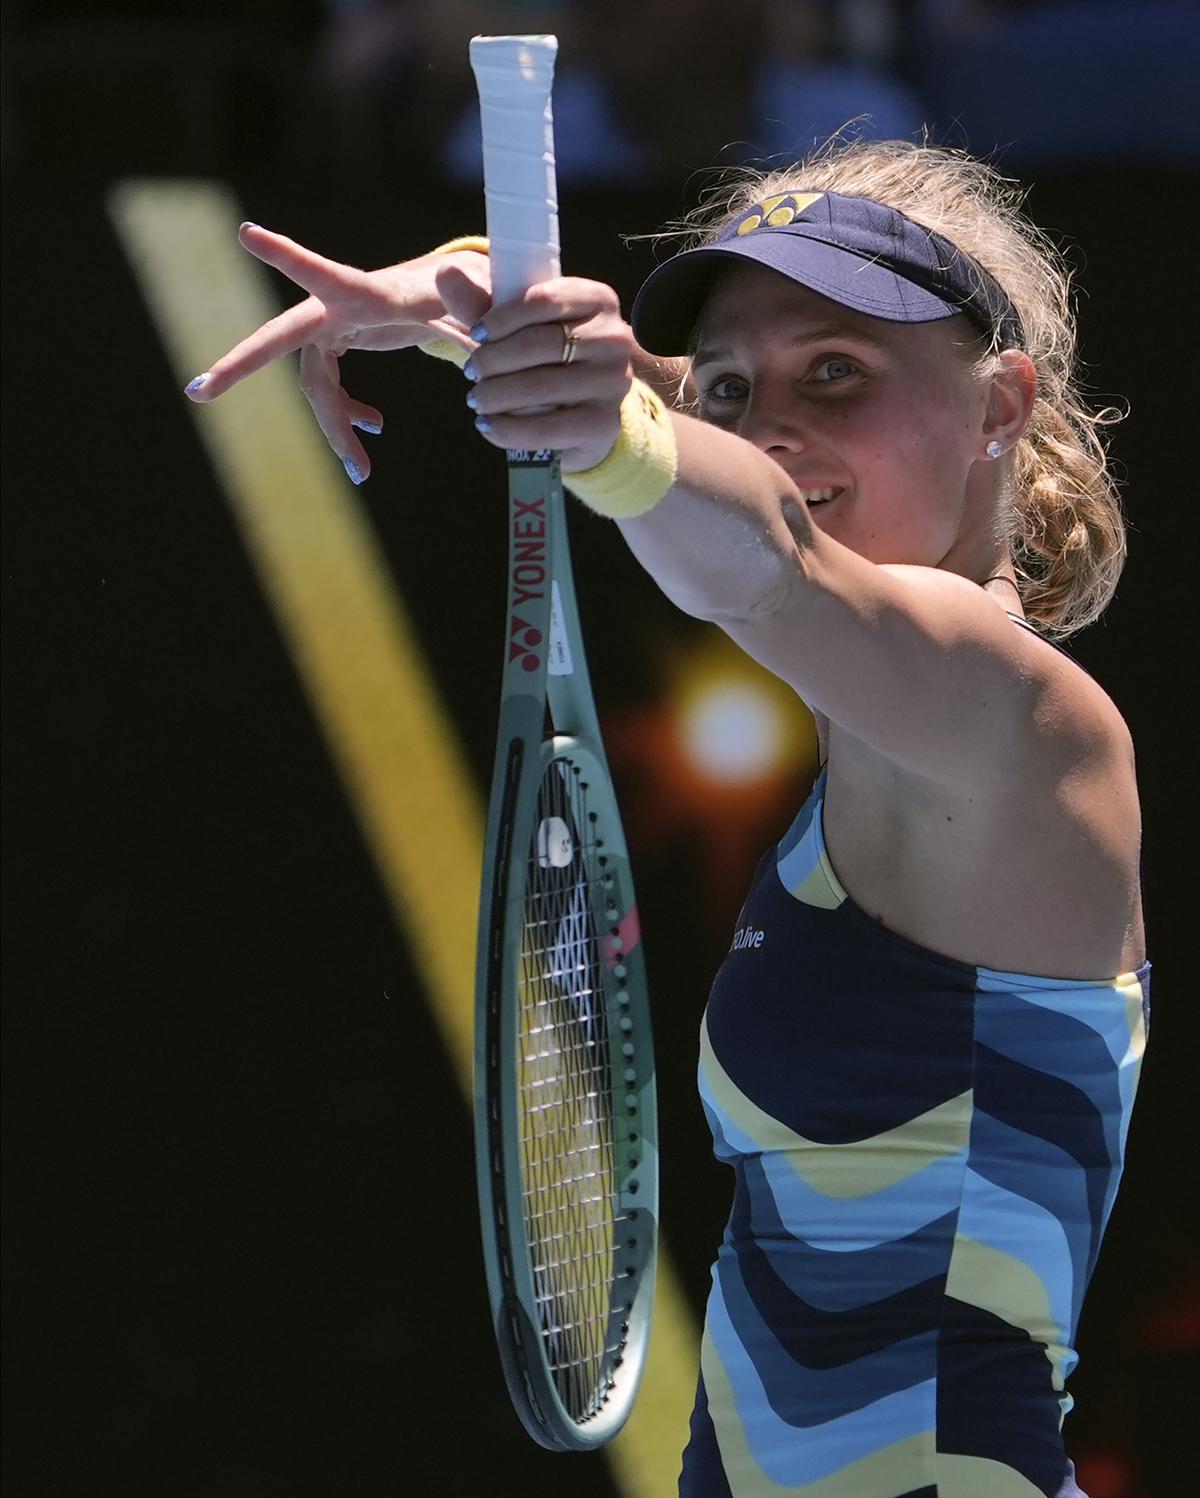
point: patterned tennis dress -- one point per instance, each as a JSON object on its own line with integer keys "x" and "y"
{"x": 925, "y": 1156}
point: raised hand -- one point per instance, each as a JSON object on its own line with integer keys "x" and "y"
{"x": 551, "y": 368}
{"x": 346, "y": 308}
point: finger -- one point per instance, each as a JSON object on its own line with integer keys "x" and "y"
{"x": 446, "y": 327}
{"x": 322, "y": 389}
{"x": 551, "y": 385}
{"x": 564, "y": 299}
{"x": 463, "y": 298}
{"x": 326, "y": 279}
{"x": 528, "y": 348}
{"x": 365, "y": 418}
{"x": 604, "y": 339}
{"x": 282, "y": 335}
{"x": 592, "y": 426}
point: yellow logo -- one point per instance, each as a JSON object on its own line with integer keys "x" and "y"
{"x": 782, "y": 209}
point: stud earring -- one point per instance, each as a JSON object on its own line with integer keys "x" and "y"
{"x": 994, "y": 449}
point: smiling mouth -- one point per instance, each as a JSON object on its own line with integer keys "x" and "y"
{"x": 814, "y": 497}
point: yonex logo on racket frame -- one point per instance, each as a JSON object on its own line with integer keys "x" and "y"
{"x": 522, "y": 637}
{"x": 528, "y": 580}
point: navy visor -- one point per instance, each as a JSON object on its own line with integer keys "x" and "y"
{"x": 855, "y": 251}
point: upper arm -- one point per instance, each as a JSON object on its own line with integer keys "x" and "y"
{"x": 921, "y": 665}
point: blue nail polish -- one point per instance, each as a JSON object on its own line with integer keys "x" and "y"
{"x": 374, "y": 427}
{"x": 352, "y": 468}
{"x": 472, "y": 400}
{"x": 198, "y": 383}
{"x": 470, "y": 371}
{"x": 483, "y": 424}
{"x": 479, "y": 333}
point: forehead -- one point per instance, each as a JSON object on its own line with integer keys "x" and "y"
{"x": 751, "y": 302}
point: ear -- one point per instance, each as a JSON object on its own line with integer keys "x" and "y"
{"x": 1010, "y": 399}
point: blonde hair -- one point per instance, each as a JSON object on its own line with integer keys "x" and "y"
{"x": 1066, "y": 530}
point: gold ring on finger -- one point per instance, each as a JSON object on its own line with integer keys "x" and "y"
{"x": 570, "y": 348}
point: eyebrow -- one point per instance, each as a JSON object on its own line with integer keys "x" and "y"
{"x": 709, "y": 355}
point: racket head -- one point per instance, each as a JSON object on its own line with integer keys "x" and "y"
{"x": 567, "y": 1122}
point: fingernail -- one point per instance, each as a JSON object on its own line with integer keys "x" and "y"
{"x": 374, "y": 427}
{"x": 479, "y": 333}
{"x": 470, "y": 371}
{"x": 472, "y": 400}
{"x": 483, "y": 424}
{"x": 198, "y": 383}
{"x": 352, "y": 468}
{"x": 248, "y": 224}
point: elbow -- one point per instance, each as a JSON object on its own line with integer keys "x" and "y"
{"x": 754, "y": 592}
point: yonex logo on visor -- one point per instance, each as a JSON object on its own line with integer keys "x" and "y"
{"x": 777, "y": 211}
{"x": 860, "y": 253}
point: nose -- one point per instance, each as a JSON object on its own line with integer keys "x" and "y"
{"x": 772, "y": 420}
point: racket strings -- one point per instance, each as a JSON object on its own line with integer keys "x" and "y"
{"x": 565, "y": 1085}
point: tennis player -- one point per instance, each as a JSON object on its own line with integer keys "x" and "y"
{"x": 844, "y": 426}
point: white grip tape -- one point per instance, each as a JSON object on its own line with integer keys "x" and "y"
{"x": 515, "y": 75}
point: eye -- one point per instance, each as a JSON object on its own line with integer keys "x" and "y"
{"x": 726, "y": 388}
{"x": 835, "y": 368}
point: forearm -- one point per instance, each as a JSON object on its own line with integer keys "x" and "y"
{"x": 731, "y": 533}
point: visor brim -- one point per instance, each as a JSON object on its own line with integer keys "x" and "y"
{"x": 668, "y": 306}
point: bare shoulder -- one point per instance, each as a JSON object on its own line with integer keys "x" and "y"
{"x": 1052, "y": 702}
{"x": 1026, "y": 857}
{"x": 927, "y": 670}
{"x": 1072, "y": 717}
{"x": 1081, "y": 775}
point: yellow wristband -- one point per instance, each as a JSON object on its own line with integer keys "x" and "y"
{"x": 642, "y": 465}
{"x": 463, "y": 242}
{"x": 446, "y": 348}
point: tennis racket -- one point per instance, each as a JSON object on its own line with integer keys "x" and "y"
{"x": 566, "y": 1135}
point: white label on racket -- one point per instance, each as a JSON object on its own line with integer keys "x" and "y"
{"x": 559, "y": 661}
{"x": 559, "y": 658}
{"x": 555, "y": 847}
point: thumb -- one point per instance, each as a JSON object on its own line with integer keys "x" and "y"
{"x": 464, "y": 299}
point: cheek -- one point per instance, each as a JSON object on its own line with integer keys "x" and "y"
{"x": 897, "y": 444}
{"x": 912, "y": 471}
{"x": 932, "y": 434}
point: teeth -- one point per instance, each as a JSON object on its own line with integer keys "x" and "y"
{"x": 817, "y": 496}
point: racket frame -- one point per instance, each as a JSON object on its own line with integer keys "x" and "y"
{"x": 546, "y": 668}
{"x": 543, "y": 637}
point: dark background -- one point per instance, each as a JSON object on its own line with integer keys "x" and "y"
{"x": 240, "y": 1238}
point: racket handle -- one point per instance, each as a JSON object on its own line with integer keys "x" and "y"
{"x": 515, "y": 76}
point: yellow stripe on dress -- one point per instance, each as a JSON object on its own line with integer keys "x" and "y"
{"x": 981, "y": 1477}
{"x": 820, "y": 888}
{"x": 1129, "y": 986}
{"x": 858, "y": 1168}
{"x": 997, "y": 1282}
{"x": 898, "y": 1468}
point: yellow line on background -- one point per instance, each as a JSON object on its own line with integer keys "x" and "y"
{"x": 322, "y": 569}
{"x": 365, "y": 673}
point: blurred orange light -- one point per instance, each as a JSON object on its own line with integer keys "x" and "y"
{"x": 733, "y": 732}
{"x": 736, "y": 725}
{"x": 726, "y": 754}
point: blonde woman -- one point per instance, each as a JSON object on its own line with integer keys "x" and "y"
{"x": 843, "y": 426}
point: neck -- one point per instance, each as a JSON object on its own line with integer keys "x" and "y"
{"x": 1003, "y": 586}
